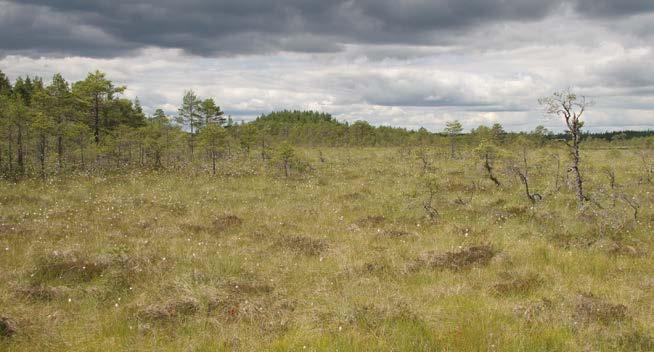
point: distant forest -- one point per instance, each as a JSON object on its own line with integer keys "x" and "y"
{"x": 58, "y": 127}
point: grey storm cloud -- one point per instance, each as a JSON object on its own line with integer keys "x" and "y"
{"x": 98, "y": 28}
{"x": 407, "y": 63}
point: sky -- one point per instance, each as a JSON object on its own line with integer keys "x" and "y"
{"x": 405, "y": 63}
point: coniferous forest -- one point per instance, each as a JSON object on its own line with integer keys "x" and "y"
{"x": 54, "y": 127}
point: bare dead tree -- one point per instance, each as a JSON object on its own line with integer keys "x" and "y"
{"x": 567, "y": 105}
{"x": 424, "y": 158}
{"x": 610, "y": 174}
{"x": 488, "y": 165}
{"x": 524, "y": 178}
{"x": 633, "y": 203}
{"x": 431, "y": 184}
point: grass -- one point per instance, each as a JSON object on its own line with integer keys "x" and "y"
{"x": 342, "y": 258}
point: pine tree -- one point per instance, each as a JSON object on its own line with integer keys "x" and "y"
{"x": 211, "y": 113}
{"x": 453, "y": 129}
{"x": 189, "y": 112}
{"x": 5, "y": 85}
{"x": 96, "y": 92}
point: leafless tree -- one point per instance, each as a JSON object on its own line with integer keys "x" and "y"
{"x": 431, "y": 185}
{"x": 570, "y": 107}
{"x": 633, "y": 203}
{"x": 610, "y": 174}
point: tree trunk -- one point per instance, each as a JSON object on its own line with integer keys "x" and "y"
{"x": 60, "y": 152}
{"x": 575, "y": 167}
{"x": 489, "y": 169}
{"x": 42, "y": 151}
{"x": 525, "y": 182}
{"x": 19, "y": 152}
{"x": 81, "y": 153}
{"x": 96, "y": 116}
{"x": 213, "y": 162}
{"x": 141, "y": 154}
{"x": 10, "y": 154}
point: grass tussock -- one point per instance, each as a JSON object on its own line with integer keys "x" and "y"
{"x": 224, "y": 222}
{"x": 517, "y": 284}
{"x": 302, "y": 245}
{"x": 455, "y": 261}
{"x": 590, "y": 308}
{"x": 69, "y": 266}
{"x": 170, "y": 309}
{"x": 8, "y": 327}
{"x": 371, "y": 221}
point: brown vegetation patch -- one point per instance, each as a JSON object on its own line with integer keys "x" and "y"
{"x": 393, "y": 233}
{"x": 534, "y": 311}
{"x": 350, "y": 197}
{"x": 69, "y": 266}
{"x": 371, "y": 221}
{"x": 248, "y": 288}
{"x": 516, "y": 210}
{"x": 568, "y": 240}
{"x": 635, "y": 341}
{"x": 303, "y": 245}
{"x": 41, "y": 292}
{"x": 376, "y": 268}
{"x": 252, "y": 302}
{"x": 7, "y": 199}
{"x": 10, "y": 228}
{"x": 179, "y": 307}
{"x": 517, "y": 284}
{"x": 7, "y": 327}
{"x": 591, "y": 308}
{"x": 370, "y": 317}
{"x": 174, "y": 208}
{"x": 463, "y": 259}
{"x": 458, "y": 186}
{"x": 224, "y": 222}
{"x": 500, "y": 216}
{"x": 618, "y": 248}
{"x": 193, "y": 228}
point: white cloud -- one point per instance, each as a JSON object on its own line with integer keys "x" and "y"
{"x": 494, "y": 74}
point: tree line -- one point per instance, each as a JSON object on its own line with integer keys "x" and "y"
{"x": 60, "y": 127}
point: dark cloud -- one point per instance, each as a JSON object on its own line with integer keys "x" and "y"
{"x": 613, "y": 8}
{"x": 100, "y": 28}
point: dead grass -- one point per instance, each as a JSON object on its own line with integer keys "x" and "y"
{"x": 516, "y": 284}
{"x": 303, "y": 245}
{"x": 394, "y": 234}
{"x": 591, "y": 308}
{"x": 42, "y": 292}
{"x": 170, "y": 309}
{"x": 371, "y": 221}
{"x": 535, "y": 311}
{"x": 225, "y": 222}
{"x": 455, "y": 261}
{"x": 8, "y": 327}
{"x": 635, "y": 341}
{"x": 71, "y": 266}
